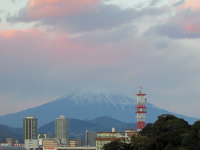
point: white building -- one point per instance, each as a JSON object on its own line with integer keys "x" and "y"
{"x": 129, "y": 133}
{"x": 41, "y": 136}
{"x": 107, "y": 137}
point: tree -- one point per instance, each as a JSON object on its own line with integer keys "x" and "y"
{"x": 191, "y": 140}
{"x": 141, "y": 143}
{"x": 166, "y": 132}
{"x": 116, "y": 145}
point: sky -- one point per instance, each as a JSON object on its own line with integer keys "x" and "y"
{"x": 49, "y": 48}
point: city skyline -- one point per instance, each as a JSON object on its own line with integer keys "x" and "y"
{"x": 52, "y": 47}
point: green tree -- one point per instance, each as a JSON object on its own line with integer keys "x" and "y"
{"x": 141, "y": 143}
{"x": 116, "y": 145}
{"x": 191, "y": 140}
{"x": 166, "y": 132}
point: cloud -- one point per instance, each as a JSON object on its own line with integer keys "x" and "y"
{"x": 51, "y": 9}
{"x": 102, "y": 17}
{"x": 37, "y": 66}
{"x": 87, "y": 16}
{"x": 191, "y": 4}
{"x": 40, "y": 60}
{"x": 184, "y": 24}
{"x": 55, "y": 8}
{"x": 96, "y": 45}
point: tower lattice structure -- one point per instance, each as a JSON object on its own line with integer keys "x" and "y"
{"x": 141, "y": 109}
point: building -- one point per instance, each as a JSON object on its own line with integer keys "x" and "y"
{"x": 130, "y": 133}
{"x": 30, "y": 133}
{"x": 107, "y": 137}
{"x": 90, "y": 138}
{"x": 62, "y": 130}
{"x": 50, "y": 143}
{"x": 75, "y": 142}
{"x": 12, "y": 148}
{"x": 77, "y": 148}
{"x": 10, "y": 141}
{"x": 41, "y": 136}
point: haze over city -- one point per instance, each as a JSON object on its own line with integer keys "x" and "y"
{"x": 50, "y": 48}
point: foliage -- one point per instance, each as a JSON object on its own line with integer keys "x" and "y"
{"x": 116, "y": 145}
{"x": 141, "y": 143}
{"x": 167, "y": 133}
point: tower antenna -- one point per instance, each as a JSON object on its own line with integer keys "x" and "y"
{"x": 141, "y": 109}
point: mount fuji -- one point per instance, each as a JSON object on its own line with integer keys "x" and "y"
{"x": 87, "y": 106}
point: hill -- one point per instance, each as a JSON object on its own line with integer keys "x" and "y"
{"x": 8, "y": 132}
{"x": 77, "y": 127}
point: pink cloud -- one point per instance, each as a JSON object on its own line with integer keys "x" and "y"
{"x": 192, "y": 28}
{"x": 185, "y": 23}
{"x": 8, "y": 33}
{"x": 187, "y": 17}
{"x": 188, "y": 21}
{"x": 34, "y": 43}
{"x": 37, "y": 9}
{"x": 20, "y": 33}
{"x": 192, "y": 4}
{"x": 56, "y": 49}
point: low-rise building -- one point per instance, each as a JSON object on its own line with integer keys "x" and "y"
{"x": 31, "y": 144}
{"x": 50, "y": 144}
{"x": 41, "y": 136}
{"x": 130, "y": 133}
{"x": 75, "y": 142}
{"x": 77, "y": 148}
{"x": 10, "y": 141}
{"x": 8, "y": 147}
{"x": 107, "y": 137}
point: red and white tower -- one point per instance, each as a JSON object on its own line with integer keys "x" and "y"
{"x": 141, "y": 109}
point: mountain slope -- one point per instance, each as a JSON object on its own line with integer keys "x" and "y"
{"x": 8, "y": 132}
{"x": 87, "y": 105}
{"x": 78, "y": 127}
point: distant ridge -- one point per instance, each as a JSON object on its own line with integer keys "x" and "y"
{"x": 8, "y": 132}
{"x": 87, "y": 105}
{"x": 77, "y": 127}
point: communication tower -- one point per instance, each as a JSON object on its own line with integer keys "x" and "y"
{"x": 141, "y": 109}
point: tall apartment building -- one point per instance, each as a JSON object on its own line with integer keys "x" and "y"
{"x": 30, "y": 132}
{"x": 90, "y": 138}
{"x": 62, "y": 130}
